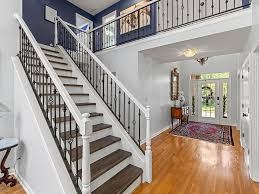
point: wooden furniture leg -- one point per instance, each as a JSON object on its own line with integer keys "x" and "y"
{"x": 6, "y": 177}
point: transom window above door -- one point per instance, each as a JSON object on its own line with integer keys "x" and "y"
{"x": 207, "y": 76}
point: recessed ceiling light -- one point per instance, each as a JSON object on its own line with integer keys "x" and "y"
{"x": 190, "y": 52}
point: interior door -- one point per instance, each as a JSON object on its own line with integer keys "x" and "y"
{"x": 245, "y": 104}
{"x": 208, "y": 101}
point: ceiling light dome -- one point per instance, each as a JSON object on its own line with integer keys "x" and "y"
{"x": 190, "y": 52}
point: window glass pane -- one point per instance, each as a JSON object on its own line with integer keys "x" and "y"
{"x": 210, "y": 76}
{"x": 225, "y": 100}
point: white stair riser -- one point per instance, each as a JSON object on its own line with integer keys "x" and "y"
{"x": 95, "y": 136}
{"x": 64, "y": 73}
{"x": 68, "y": 80}
{"x": 74, "y": 89}
{"x": 52, "y": 53}
{"x": 70, "y": 89}
{"x": 95, "y": 120}
{"x": 76, "y": 98}
{"x": 58, "y": 65}
{"x": 133, "y": 186}
{"x": 56, "y": 59}
{"x": 109, "y": 174}
{"x": 104, "y": 152}
{"x": 82, "y": 109}
{"x": 100, "y": 134}
{"x": 101, "y": 153}
{"x": 80, "y": 99}
{"x": 48, "y": 47}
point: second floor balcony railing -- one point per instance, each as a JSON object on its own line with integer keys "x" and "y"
{"x": 156, "y": 16}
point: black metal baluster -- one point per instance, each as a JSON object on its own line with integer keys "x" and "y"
{"x": 212, "y": 7}
{"x": 55, "y": 113}
{"x": 115, "y": 99}
{"x": 177, "y": 12}
{"x": 134, "y": 121}
{"x": 59, "y": 118}
{"x": 111, "y": 94}
{"x": 139, "y": 117}
{"x": 103, "y": 84}
{"x": 129, "y": 116}
{"x": 70, "y": 139}
{"x": 182, "y": 7}
{"x": 119, "y": 104}
{"x": 77, "y": 154}
{"x": 188, "y": 11}
{"x": 124, "y": 110}
{"x": 199, "y": 9}
{"x": 65, "y": 130}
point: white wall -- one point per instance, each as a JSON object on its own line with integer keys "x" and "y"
{"x": 217, "y": 64}
{"x": 132, "y": 67}
{"x": 8, "y": 47}
{"x": 40, "y": 168}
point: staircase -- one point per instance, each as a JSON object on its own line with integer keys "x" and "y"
{"x": 111, "y": 167}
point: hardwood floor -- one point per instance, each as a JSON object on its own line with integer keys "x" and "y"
{"x": 17, "y": 189}
{"x": 187, "y": 166}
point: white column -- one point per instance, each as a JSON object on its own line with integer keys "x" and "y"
{"x": 86, "y": 131}
{"x": 148, "y": 152}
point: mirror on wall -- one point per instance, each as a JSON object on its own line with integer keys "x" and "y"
{"x": 174, "y": 84}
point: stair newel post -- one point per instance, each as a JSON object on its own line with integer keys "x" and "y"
{"x": 56, "y": 32}
{"x": 86, "y": 130}
{"x": 148, "y": 152}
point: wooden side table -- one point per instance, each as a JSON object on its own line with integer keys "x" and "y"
{"x": 180, "y": 113}
{"x": 7, "y": 144}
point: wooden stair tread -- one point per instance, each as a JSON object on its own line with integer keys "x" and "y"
{"x": 120, "y": 182}
{"x": 50, "y": 55}
{"x": 95, "y": 146}
{"x": 67, "y": 135}
{"x": 106, "y": 163}
{"x": 55, "y": 68}
{"x": 58, "y": 62}
{"x": 75, "y": 85}
{"x": 69, "y": 77}
{"x": 49, "y": 50}
{"x": 92, "y": 114}
{"x": 71, "y": 94}
{"x": 77, "y": 104}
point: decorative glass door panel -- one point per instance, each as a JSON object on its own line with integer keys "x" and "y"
{"x": 208, "y": 101}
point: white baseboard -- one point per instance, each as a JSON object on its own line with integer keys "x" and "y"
{"x": 156, "y": 134}
{"x": 26, "y": 187}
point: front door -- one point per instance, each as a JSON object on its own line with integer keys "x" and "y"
{"x": 208, "y": 101}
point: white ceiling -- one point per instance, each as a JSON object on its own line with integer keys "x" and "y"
{"x": 214, "y": 45}
{"x": 93, "y": 6}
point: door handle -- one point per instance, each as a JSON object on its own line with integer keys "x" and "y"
{"x": 245, "y": 115}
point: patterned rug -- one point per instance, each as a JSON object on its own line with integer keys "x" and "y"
{"x": 207, "y": 132}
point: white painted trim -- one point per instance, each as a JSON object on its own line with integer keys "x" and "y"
{"x": 58, "y": 83}
{"x": 49, "y": 144}
{"x": 244, "y": 14}
{"x": 26, "y": 187}
{"x": 156, "y": 134}
{"x": 127, "y": 143}
{"x": 97, "y": 60}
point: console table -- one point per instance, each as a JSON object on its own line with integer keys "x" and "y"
{"x": 180, "y": 113}
{"x": 7, "y": 144}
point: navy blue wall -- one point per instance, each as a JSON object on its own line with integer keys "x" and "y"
{"x": 34, "y": 14}
{"x": 120, "y": 6}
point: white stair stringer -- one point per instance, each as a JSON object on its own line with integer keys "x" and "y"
{"x": 138, "y": 158}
